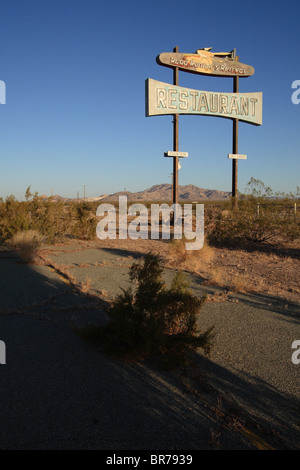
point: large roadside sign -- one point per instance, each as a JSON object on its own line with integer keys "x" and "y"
{"x": 163, "y": 98}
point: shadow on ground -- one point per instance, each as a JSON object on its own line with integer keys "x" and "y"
{"x": 58, "y": 392}
{"x": 288, "y": 309}
{"x": 269, "y": 413}
{"x": 260, "y": 247}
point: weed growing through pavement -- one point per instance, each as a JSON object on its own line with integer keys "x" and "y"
{"x": 154, "y": 321}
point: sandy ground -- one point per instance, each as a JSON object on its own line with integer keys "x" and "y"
{"x": 268, "y": 270}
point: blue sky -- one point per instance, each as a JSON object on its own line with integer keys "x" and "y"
{"x": 75, "y": 75}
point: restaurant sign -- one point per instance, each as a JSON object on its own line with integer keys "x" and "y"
{"x": 163, "y": 98}
{"x": 206, "y": 62}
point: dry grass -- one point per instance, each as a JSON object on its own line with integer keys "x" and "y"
{"x": 216, "y": 277}
{"x": 26, "y": 244}
{"x": 84, "y": 265}
{"x": 85, "y": 286}
{"x": 239, "y": 284}
{"x": 217, "y": 297}
{"x": 192, "y": 260}
{"x": 103, "y": 293}
{"x": 65, "y": 271}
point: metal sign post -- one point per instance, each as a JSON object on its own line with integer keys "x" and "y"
{"x": 235, "y": 144}
{"x": 175, "y": 137}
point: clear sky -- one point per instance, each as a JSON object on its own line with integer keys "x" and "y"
{"x": 75, "y": 75}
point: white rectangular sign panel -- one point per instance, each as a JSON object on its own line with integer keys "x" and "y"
{"x": 176, "y": 154}
{"x": 163, "y": 98}
{"x": 237, "y": 156}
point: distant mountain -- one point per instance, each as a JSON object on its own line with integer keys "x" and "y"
{"x": 163, "y": 192}
{"x": 57, "y": 198}
{"x": 158, "y": 192}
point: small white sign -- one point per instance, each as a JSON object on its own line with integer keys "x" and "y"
{"x": 237, "y": 156}
{"x": 2, "y": 353}
{"x": 176, "y": 154}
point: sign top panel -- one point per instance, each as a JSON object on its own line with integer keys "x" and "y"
{"x": 206, "y": 62}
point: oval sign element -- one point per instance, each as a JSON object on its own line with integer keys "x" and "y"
{"x": 206, "y": 63}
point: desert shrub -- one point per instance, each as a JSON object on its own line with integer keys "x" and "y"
{"x": 154, "y": 321}
{"x": 32, "y": 214}
{"x": 13, "y": 218}
{"x": 55, "y": 220}
{"x": 85, "y": 222}
{"x": 243, "y": 224}
{"x": 260, "y": 216}
{"x": 26, "y": 243}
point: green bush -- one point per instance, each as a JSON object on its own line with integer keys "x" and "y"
{"x": 243, "y": 224}
{"x": 259, "y": 216}
{"x": 154, "y": 321}
{"x": 55, "y": 220}
{"x": 85, "y": 222}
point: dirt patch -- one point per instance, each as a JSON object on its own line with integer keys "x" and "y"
{"x": 271, "y": 270}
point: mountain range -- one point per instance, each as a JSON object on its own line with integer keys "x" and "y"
{"x": 158, "y": 192}
{"x": 163, "y": 192}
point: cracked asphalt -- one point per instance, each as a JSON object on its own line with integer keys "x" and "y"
{"x": 58, "y": 392}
